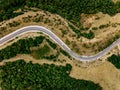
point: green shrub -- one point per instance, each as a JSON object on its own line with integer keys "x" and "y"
{"x": 94, "y": 28}
{"x": 22, "y": 46}
{"x": 14, "y": 24}
{"x": 89, "y": 35}
{"x": 3, "y": 28}
{"x": 54, "y": 46}
{"x": 115, "y": 60}
{"x": 104, "y": 26}
{"x": 36, "y": 20}
{"x": 65, "y": 53}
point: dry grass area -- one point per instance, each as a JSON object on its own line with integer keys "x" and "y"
{"x": 105, "y": 74}
{"x": 104, "y": 19}
{"x": 115, "y": 1}
{"x": 102, "y": 35}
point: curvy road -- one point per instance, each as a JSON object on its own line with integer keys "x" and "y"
{"x": 35, "y": 28}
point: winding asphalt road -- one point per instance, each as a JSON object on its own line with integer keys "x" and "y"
{"x": 35, "y": 28}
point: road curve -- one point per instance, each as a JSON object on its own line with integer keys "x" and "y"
{"x": 35, "y": 28}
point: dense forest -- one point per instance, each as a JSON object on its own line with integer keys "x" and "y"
{"x": 69, "y": 9}
{"x": 20, "y": 75}
{"x": 115, "y": 60}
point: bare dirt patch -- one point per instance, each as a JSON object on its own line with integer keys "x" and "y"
{"x": 105, "y": 74}
{"x": 116, "y": 1}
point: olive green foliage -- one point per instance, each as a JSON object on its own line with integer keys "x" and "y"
{"x": 78, "y": 32}
{"x": 52, "y": 57}
{"x": 20, "y": 75}
{"x": 7, "y": 8}
{"x": 20, "y": 47}
{"x": 115, "y": 60}
{"x": 104, "y": 26}
{"x": 94, "y": 28}
{"x": 89, "y": 35}
{"x": 14, "y": 24}
{"x": 53, "y": 45}
{"x": 65, "y": 53}
{"x": 67, "y": 42}
{"x": 40, "y": 52}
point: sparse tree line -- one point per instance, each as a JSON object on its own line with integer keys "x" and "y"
{"x": 20, "y": 75}
{"x": 89, "y": 35}
{"x": 103, "y": 26}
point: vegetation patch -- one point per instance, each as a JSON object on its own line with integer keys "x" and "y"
{"x": 104, "y": 26}
{"x": 89, "y": 35}
{"x": 20, "y": 75}
{"x": 14, "y": 24}
{"x": 40, "y": 52}
{"x": 115, "y": 60}
{"x": 65, "y": 53}
{"x": 94, "y": 28}
{"x": 53, "y": 45}
{"x": 109, "y": 42}
{"x": 23, "y": 46}
{"x": 117, "y": 36}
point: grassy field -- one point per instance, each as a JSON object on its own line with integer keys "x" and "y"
{"x": 40, "y": 52}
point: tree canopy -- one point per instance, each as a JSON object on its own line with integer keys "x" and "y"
{"x": 20, "y": 75}
{"x": 115, "y": 60}
{"x": 69, "y": 9}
